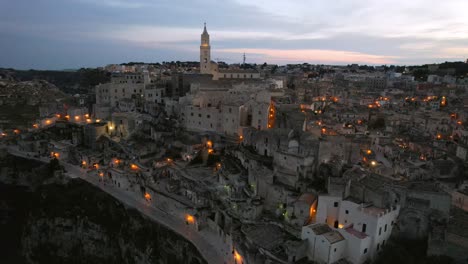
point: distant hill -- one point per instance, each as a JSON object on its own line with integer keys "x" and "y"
{"x": 68, "y": 81}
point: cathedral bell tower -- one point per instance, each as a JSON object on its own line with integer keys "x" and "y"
{"x": 205, "y": 56}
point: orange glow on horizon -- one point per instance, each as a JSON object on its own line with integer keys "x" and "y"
{"x": 324, "y": 55}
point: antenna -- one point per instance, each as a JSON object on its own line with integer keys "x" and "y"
{"x": 243, "y": 62}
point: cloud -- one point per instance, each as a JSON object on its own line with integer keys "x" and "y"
{"x": 117, "y": 3}
{"x": 368, "y": 31}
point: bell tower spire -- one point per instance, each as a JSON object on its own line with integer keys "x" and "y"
{"x": 205, "y": 52}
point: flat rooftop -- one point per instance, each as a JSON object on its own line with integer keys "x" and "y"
{"x": 320, "y": 229}
{"x": 333, "y": 236}
{"x": 372, "y": 210}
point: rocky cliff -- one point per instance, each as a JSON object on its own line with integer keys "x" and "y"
{"x": 74, "y": 222}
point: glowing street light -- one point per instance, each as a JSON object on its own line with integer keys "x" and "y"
{"x": 190, "y": 219}
{"x": 237, "y": 257}
{"x": 147, "y": 196}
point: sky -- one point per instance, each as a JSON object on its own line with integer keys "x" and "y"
{"x": 65, "y": 34}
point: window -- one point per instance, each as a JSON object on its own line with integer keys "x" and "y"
{"x": 347, "y": 212}
{"x": 364, "y": 226}
{"x": 335, "y": 204}
{"x": 230, "y": 110}
{"x": 378, "y": 247}
{"x": 191, "y": 114}
{"x": 380, "y": 231}
{"x": 199, "y": 115}
{"x": 365, "y": 250}
{"x": 385, "y": 228}
{"x": 383, "y": 243}
{"x": 207, "y": 116}
{"x": 392, "y": 222}
{"x": 334, "y": 250}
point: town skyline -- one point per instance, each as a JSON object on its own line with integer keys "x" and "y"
{"x": 116, "y": 31}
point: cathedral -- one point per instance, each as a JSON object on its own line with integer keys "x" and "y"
{"x": 210, "y": 67}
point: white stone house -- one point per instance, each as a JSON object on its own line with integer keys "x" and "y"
{"x": 365, "y": 228}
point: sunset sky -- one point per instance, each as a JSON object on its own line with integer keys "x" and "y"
{"x": 58, "y": 34}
